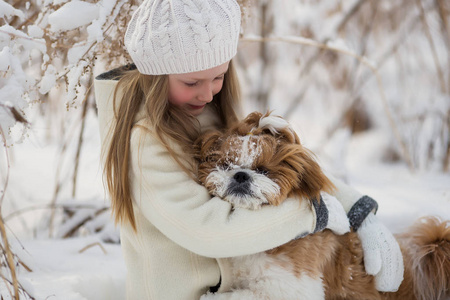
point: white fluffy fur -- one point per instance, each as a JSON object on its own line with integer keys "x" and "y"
{"x": 274, "y": 124}
{"x": 249, "y": 151}
{"x": 260, "y": 277}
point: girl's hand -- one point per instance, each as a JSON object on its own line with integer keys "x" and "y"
{"x": 337, "y": 218}
{"x": 382, "y": 256}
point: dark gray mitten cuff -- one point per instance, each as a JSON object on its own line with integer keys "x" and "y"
{"x": 321, "y": 217}
{"x": 321, "y": 214}
{"x": 360, "y": 210}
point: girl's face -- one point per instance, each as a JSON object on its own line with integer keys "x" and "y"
{"x": 192, "y": 91}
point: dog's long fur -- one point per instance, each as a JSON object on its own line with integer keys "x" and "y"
{"x": 320, "y": 265}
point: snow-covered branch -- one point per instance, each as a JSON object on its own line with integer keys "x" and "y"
{"x": 49, "y": 45}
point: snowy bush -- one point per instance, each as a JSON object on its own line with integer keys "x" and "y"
{"x": 52, "y": 46}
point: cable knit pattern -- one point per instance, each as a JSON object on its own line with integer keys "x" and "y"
{"x": 140, "y": 24}
{"x": 199, "y": 15}
{"x": 182, "y": 36}
{"x": 164, "y": 35}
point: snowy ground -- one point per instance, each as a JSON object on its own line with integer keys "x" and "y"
{"x": 61, "y": 270}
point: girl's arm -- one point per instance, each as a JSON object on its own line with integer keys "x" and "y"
{"x": 356, "y": 205}
{"x": 184, "y": 211}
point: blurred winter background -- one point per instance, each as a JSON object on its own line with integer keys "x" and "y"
{"x": 366, "y": 83}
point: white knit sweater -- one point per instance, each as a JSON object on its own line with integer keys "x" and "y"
{"x": 181, "y": 231}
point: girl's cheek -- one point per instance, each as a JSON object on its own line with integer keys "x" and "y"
{"x": 217, "y": 88}
{"x": 180, "y": 96}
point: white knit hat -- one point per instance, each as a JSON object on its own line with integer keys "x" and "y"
{"x": 182, "y": 36}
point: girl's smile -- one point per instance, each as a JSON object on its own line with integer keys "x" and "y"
{"x": 197, "y": 107}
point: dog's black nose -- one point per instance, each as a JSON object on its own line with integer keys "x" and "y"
{"x": 241, "y": 177}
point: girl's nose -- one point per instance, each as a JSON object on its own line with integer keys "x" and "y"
{"x": 206, "y": 93}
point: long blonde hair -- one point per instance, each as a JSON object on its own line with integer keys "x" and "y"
{"x": 170, "y": 123}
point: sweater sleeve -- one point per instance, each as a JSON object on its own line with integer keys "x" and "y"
{"x": 356, "y": 205}
{"x": 184, "y": 211}
{"x": 347, "y": 195}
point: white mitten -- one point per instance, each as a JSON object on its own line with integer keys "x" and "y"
{"x": 382, "y": 256}
{"x": 337, "y": 218}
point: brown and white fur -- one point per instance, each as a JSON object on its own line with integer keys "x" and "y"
{"x": 260, "y": 161}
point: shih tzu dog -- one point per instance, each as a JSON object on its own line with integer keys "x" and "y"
{"x": 260, "y": 161}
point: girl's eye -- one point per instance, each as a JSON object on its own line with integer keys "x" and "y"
{"x": 191, "y": 84}
{"x": 219, "y": 78}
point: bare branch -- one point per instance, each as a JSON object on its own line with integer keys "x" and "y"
{"x": 7, "y": 249}
{"x": 432, "y": 46}
{"x": 93, "y": 245}
{"x": 14, "y": 113}
{"x": 80, "y": 138}
{"x": 52, "y": 207}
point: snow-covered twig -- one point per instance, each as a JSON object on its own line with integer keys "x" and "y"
{"x": 13, "y": 35}
{"x": 14, "y": 113}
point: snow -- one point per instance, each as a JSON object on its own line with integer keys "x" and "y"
{"x": 35, "y": 31}
{"x": 48, "y": 80}
{"x": 72, "y": 15}
{"x": 4, "y": 59}
{"x": 62, "y": 270}
{"x": 6, "y": 10}
{"x": 403, "y": 196}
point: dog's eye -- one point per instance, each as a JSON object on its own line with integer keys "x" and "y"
{"x": 225, "y": 166}
{"x": 261, "y": 170}
{"x": 211, "y": 158}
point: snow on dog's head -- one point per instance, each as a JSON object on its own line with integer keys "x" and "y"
{"x": 258, "y": 161}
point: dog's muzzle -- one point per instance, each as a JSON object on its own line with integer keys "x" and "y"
{"x": 240, "y": 184}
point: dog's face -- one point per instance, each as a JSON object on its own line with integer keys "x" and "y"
{"x": 258, "y": 161}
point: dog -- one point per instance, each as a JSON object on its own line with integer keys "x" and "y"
{"x": 260, "y": 161}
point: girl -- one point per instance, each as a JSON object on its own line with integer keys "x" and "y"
{"x": 173, "y": 233}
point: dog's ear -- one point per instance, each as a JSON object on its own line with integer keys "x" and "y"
{"x": 246, "y": 126}
{"x": 278, "y": 127}
{"x": 310, "y": 178}
{"x": 206, "y": 149}
{"x": 252, "y": 119}
{"x": 206, "y": 144}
